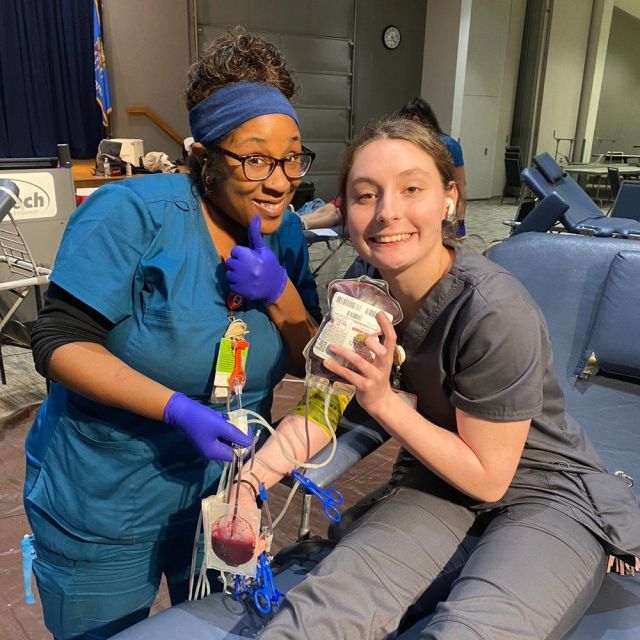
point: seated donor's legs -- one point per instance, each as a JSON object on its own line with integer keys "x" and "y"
{"x": 533, "y": 574}
{"x": 530, "y": 574}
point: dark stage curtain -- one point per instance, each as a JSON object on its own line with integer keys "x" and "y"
{"x": 47, "y": 82}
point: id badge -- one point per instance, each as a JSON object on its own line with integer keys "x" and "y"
{"x": 225, "y": 364}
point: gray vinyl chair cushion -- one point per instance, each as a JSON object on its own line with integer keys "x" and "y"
{"x": 615, "y": 337}
{"x": 542, "y": 217}
{"x": 548, "y": 167}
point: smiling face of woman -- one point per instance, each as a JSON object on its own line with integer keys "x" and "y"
{"x": 275, "y": 135}
{"x": 396, "y": 202}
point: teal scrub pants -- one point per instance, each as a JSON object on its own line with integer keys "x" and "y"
{"x": 95, "y": 599}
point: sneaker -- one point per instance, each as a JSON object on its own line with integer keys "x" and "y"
{"x": 462, "y": 230}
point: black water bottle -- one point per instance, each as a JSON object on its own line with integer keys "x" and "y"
{"x": 64, "y": 156}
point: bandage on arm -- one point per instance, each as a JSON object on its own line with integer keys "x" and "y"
{"x": 317, "y": 402}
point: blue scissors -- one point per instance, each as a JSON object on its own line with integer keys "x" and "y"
{"x": 267, "y": 593}
{"x": 331, "y": 498}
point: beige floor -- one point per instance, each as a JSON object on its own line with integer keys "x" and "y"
{"x": 25, "y": 389}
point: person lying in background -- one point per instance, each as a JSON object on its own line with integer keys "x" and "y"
{"x": 318, "y": 214}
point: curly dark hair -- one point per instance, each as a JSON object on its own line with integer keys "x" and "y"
{"x": 234, "y": 56}
{"x": 237, "y": 56}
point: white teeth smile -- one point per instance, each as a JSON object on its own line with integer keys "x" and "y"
{"x": 269, "y": 205}
{"x": 397, "y": 238}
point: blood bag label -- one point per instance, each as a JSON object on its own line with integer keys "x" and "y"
{"x": 351, "y": 320}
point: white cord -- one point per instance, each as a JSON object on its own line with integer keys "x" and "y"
{"x": 194, "y": 555}
{"x": 203, "y": 588}
{"x": 287, "y": 503}
{"x": 299, "y": 463}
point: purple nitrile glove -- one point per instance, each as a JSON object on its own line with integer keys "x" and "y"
{"x": 204, "y": 427}
{"x": 254, "y": 272}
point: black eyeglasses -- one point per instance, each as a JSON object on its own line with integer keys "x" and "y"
{"x": 258, "y": 167}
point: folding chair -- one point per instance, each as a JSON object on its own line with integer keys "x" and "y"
{"x": 512, "y": 169}
{"x": 333, "y": 239}
{"x": 613, "y": 176}
{"x": 23, "y": 273}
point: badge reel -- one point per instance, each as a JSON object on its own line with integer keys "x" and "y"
{"x": 353, "y": 306}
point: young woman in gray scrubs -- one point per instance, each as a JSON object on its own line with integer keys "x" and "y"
{"x": 487, "y": 514}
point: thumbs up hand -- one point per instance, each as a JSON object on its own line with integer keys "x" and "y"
{"x": 254, "y": 272}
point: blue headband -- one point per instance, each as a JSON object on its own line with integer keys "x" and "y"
{"x": 229, "y": 107}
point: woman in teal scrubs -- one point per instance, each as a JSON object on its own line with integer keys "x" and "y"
{"x": 149, "y": 275}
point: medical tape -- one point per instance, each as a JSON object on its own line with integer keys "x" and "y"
{"x": 317, "y": 399}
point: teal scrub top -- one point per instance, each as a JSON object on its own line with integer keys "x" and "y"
{"x": 139, "y": 252}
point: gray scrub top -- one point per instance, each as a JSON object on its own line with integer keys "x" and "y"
{"x": 479, "y": 343}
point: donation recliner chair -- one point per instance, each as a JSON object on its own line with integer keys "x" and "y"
{"x": 21, "y": 272}
{"x": 586, "y": 288}
{"x": 583, "y": 215}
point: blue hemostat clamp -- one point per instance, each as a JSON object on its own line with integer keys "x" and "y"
{"x": 28, "y": 556}
{"x": 267, "y": 594}
{"x": 239, "y": 588}
{"x": 331, "y": 498}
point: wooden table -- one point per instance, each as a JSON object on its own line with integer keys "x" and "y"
{"x": 83, "y": 176}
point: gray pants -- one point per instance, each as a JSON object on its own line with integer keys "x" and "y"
{"x": 529, "y": 572}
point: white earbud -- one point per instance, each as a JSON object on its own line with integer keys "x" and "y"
{"x": 451, "y": 208}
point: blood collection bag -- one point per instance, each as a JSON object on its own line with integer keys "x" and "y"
{"x": 232, "y": 539}
{"x": 353, "y": 306}
{"x": 230, "y": 536}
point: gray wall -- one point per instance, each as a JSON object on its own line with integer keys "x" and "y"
{"x": 316, "y": 39}
{"x": 147, "y": 48}
{"x": 386, "y": 79}
{"x": 619, "y": 108}
{"x": 495, "y": 37}
{"x": 148, "y": 43}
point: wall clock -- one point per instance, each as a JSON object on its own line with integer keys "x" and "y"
{"x": 391, "y": 37}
